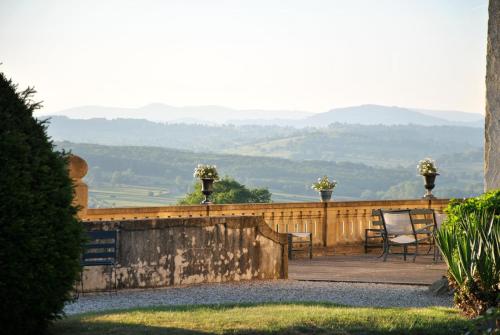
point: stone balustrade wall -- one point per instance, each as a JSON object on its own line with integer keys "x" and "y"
{"x": 335, "y": 225}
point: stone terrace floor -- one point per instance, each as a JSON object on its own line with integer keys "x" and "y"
{"x": 367, "y": 268}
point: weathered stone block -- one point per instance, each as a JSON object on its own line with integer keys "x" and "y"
{"x": 164, "y": 252}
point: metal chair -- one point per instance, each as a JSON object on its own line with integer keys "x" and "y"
{"x": 374, "y": 236}
{"x": 426, "y": 221}
{"x": 400, "y": 230}
{"x": 100, "y": 250}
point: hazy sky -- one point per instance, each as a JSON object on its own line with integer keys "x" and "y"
{"x": 303, "y": 55}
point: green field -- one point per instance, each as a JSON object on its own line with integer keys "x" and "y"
{"x": 284, "y": 318}
{"x": 130, "y": 196}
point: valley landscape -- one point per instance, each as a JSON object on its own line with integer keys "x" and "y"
{"x": 370, "y": 150}
{"x": 250, "y": 167}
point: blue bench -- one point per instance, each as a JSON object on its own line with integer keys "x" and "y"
{"x": 100, "y": 250}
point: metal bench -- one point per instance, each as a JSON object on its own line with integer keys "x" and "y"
{"x": 374, "y": 237}
{"x": 402, "y": 229}
{"x": 100, "y": 250}
{"x": 299, "y": 238}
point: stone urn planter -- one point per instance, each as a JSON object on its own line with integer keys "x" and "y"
{"x": 325, "y": 195}
{"x": 429, "y": 180}
{"x": 208, "y": 175}
{"x": 325, "y": 187}
{"x": 207, "y": 188}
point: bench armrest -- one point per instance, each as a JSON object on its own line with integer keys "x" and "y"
{"x": 425, "y": 230}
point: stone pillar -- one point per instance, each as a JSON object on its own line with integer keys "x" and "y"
{"x": 492, "y": 125}
{"x": 77, "y": 170}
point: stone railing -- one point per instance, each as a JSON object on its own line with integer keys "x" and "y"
{"x": 334, "y": 225}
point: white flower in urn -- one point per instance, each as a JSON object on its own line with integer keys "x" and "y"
{"x": 427, "y": 166}
{"x": 324, "y": 184}
{"x": 203, "y": 171}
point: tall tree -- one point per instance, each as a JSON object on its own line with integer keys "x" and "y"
{"x": 40, "y": 236}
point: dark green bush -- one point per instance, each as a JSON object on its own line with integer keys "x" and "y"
{"x": 470, "y": 244}
{"x": 40, "y": 236}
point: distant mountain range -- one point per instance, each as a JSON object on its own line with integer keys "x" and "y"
{"x": 187, "y": 114}
{"x": 364, "y": 115}
{"x": 375, "y": 114}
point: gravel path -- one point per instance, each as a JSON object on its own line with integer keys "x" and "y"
{"x": 353, "y": 294}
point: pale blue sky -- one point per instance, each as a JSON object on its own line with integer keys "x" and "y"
{"x": 303, "y": 55}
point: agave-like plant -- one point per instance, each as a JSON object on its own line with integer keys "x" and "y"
{"x": 471, "y": 249}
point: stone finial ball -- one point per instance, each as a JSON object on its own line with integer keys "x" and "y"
{"x": 77, "y": 167}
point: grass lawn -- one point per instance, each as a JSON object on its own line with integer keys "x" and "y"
{"x": 284, "y": 318}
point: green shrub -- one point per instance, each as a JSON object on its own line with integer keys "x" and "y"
{"x": 40, "y": 236}
{"x": 228, "y": 191}
{"x": 470, "y": 244}
{"x": 489, "y": 202}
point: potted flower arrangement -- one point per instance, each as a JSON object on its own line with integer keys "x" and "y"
{"x": 428, "y": 170}
{"x": 208, "y": 174}
{"x": 325, "y": 188}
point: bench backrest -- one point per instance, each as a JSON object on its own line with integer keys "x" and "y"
{"x": 377, "y": 218}
{"x": 423, "y": 216}
{"x": 100, "y": 248}
{"x": 398, "y": 222}
{"x": 420, "y": 216}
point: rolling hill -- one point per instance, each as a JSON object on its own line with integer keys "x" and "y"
{"x": 130, "y": 168}
{"x": 389, "y": 115}
{"x": 368, "y": 144}
{"x": 158, "y": 112}
{"x": 388, "y": 146}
